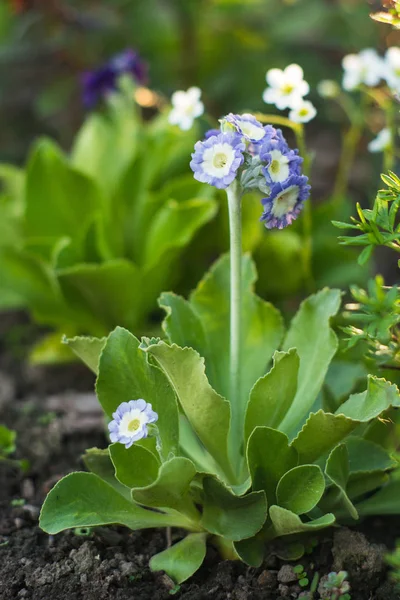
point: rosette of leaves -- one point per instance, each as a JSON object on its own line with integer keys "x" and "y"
{"x": 274, "y": 467}
{"x": 89, "y": 240}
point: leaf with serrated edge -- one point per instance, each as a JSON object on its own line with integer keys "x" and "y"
{"x": 135, "y": 466}
{"x": 88, "y": 349}
{"x": 285, "y": 522}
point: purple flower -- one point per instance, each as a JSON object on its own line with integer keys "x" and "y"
{"x": 211, "y": 132}
{"x": 100, "y": 82}
{"x": 285, "y": 201}
{"x": 247, "y": 125}
{"x": 217, "y": 160}
{"x": 130, "y": 422}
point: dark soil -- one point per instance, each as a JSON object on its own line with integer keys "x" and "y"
{"x": 57, "y": 417}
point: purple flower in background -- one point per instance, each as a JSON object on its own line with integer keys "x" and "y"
{"x": 130, "y": 422}
{"x": 100, "y": 82}
{"x": 285, "y": 201}
{"x": 217, "y": 160}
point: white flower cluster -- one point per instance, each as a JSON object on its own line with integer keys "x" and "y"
{"x": 287, "y": 89}
{"x": 186, "y": 107}
{"x": 368, "y": 68}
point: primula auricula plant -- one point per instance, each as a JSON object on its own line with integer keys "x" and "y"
{"x": 220, "y": 428}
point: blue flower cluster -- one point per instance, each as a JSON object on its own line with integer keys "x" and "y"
{"x": 259, "y": 158}
{"x": 100, "y": 82}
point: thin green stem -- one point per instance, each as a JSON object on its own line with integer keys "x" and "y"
{"x": 307, "y": 213}
{"x": 235, "y": 227}
{"x": 350, "y": 144}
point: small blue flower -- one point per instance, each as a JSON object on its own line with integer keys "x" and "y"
{"x": 130, "y": 422}
{"x": 247, "y": 125}
{"x": 217, "y": 160}
{"x": 285, "y": 201}
{"x": 100, "y": 82}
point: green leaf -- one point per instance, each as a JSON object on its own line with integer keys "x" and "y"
{"x": 321, "y": 432}
{"x": 233, "y": 517}
{"x": 88, "y": 349}
{"x": 384, "y": 502}
{"x": 99, "y": 462}
{"x": 207, "y": 411}
{"x": 337, "y": 470}
{"x": 59, "y": 200}
{"x": 135, "y": 466}
{"x": 125, "y": 374}
{"x": 300, "y": 489}
{"x": 379, "y": 396}
{"x": 183, "y": 559}
{"x": 174, "y": 225}
{"x": 366, "y": 456}
{"x": 85, "y": 500}
{"x": 50, "y": 350}
{"x": 273, "y": 394}
{"x": 251, "y": 551}
{"x": 285, "y": 522}
{"x": 207, "y": 311}
{"x": 7, "y": 440}
{"x": 316, "y": 345}
{"x": 171, "y": 487}
{"x": 265, "y": 443}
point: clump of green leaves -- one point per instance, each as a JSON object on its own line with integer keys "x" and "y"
{"x": 272, "y": 464}
{"x": 377, "y": 226}
{"x": 90, "y": 239}
{"x": 334, "y": 586}
{"x": 375, "y": 318}
{"x": 7, "y": 448}
{"x": 301, "y": 575}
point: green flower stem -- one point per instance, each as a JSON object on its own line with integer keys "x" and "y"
{"x": 235, "y": 227}
{"x": 351, "y": 140}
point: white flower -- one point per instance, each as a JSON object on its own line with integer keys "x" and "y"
{"x": 382, "y": 141}
{"x": 286, "y": 87}
{"x": 327, "y": 88}
{"x": 366, "y": 67}
{"x": 392, "y": 68}
{"x": 278, "y": 168}
{"x": 186, "y": 106}
{"x": 302, "y": 112}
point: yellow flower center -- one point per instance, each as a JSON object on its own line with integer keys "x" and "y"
{"x": 134, "y": 425}
{"x": 274, "y": 166}
{"x": 220, "y": 160}
{"x": 288, "y": 88}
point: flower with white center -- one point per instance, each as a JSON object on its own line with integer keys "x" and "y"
{"x": 302, "y": 112}
{"x": 285, "y": 202}
{"x": 130, "y": 421}
{"x": 382, "y": 142}
{"x": 217, "y": 159}
{"x": 327, "y": 88}
{"x": 285, "y": 87}
{"x": 247, "y": 125}
{"x": 392, "y": 68}
{"x": 281, "y": 165}
{"x": 366, "y": 67}
{"x": 186, "y": 107}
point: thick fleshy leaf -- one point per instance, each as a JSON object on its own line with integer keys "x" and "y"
{"x": 367, "y": 457}
{"x": 85, "y": 500}
{"x": 273, "y": 394}
{"x": 251, "y": 550}
{"x": 233, "y": 517}
{"x": 316, "y": 344}
{"x": 207, "y": 411}
{"x": 300, "y": 489}
{"x": 87, "y": 349}
{"x": 171, "y": 488}
{"x": 379, "y": 396}
{"x": 183, "y": 559}
{"x": 125, "y": 374}
{"x": 60, "y": 201}
{"x": 135, "y": 466}
{"x": 285, "y": 522}
{"x": 338, "y": 470}
{"x": 384, "y": 502}
{"x": 98, "y": 461}
{"x": 269, "y": 457}
{"x": 320, "y": 434}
